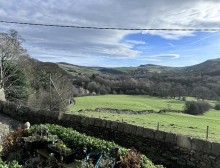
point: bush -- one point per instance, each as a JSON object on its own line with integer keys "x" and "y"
{"x": 217, "y": 106}
{"x": 13, "y": 164}
{"x": 196, "y": 108}
{"x": 78, "y": 140}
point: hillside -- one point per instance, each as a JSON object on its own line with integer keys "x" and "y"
{"x": 201, "y": 80}
{"x": 75, "y": 69}
{"x": 48, "y": 84}
{"x": 209, "y": 67}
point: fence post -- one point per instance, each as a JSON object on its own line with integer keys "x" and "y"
{"x": 207, "y": 133}
{"x": 158, "y": 126}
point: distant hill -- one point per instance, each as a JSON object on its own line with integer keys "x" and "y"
{"x": 75, "y": 69}
{"x": 209, "y": 67}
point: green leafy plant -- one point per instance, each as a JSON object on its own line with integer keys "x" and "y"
{"x": 13, "y": 164}
{"x": 61, "y": 147}
{"x": 75, "y": 140}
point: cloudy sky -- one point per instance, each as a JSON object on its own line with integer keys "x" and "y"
{"x": 113, "y": 47}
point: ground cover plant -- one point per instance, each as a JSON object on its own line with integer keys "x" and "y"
{"x": 71, "y": 139}
{"x": 172, "y": 122}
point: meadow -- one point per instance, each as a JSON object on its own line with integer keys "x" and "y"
{"x": 171, "y": 122}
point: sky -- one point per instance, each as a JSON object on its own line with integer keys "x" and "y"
{"x": 115, "y": 48}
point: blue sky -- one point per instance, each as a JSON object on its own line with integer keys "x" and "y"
{"x": 113, "y": 48}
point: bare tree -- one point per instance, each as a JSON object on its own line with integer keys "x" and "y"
{"x": 10, "y": 54}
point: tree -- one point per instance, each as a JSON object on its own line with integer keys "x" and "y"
{"x": 51, "y": 86}
{"x": 16, "y": 87}
{"x": 10, "y": 54}
{"x": 195, "y": 108}
{"x": 201, "y": 92}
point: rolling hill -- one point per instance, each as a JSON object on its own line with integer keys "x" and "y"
{"x": 209, "y": 67}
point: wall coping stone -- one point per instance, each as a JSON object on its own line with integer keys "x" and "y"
{"x": 140, "y": 131}
{"x": 215, "y": 148}
{"x": 160, "y": 135}
{"x": 98, "y": 122}
{"x": 108, "y": 125}
{"x": 148, "y": 133}
{"x": 133, "y": 129}
{"x": 184, "y": 142}
{"x": 114, "y": 125}
{"x": 121, "y": 127}
{"x": 127, "y": 128}
{"x": 171, "y": 138}
{"x": 104, "y": 122}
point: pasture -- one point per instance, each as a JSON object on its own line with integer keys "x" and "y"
{"x": 171, "y": 122}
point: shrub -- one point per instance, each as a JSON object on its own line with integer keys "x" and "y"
{"x": 76, "y": 140}
{"x": 12, "y": 164}
{"x": 217, "y": 106}
{"x": 9, "y": 140}
{"x": 196, "y": 108}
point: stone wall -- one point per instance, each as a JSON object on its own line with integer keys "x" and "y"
{"x": 171, "y": 150}
{"x": 126, "y": 111}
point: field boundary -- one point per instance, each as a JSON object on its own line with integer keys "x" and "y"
{"x": 127, "y": 111}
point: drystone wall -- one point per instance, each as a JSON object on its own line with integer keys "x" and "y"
{"x": 171, "y": 150}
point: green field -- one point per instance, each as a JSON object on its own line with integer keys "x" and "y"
{"x": 170, "y": 122}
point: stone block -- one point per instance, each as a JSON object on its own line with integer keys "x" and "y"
{"x": 121, "y": 127}
{"x": 215, "y": 148}
{"x": 91, "y": 121}
{"x": 109, "y": 123}
{"x": 66, "y": 117}
{"x": 104, "y": 122}
{"x": 148, "y": 133}
{"x": 184, "y": 142}
{"x": 114, "y": 125}
{"x": 127, "y": 128}
{"x": 85, "y": 121}
{"x": 98, "y": 122}
{"x": 133, "y": 129}
{"x": 160, "y": 135}
{"x": 171, "y": 138}
{"x": 139, "y": 131}
{"x": 198, "y": 145}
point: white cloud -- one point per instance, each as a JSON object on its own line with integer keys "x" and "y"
{"x": 72, "y": 43}
{"x": 166, "y": 56}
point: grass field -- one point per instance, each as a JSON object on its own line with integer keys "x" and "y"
{"x": 170, "y": 122}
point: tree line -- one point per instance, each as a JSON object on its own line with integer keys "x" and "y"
{"x": 161, "y": 85}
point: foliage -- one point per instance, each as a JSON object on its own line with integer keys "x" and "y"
{"x": 217, "y": 107}
{"x": 16, "y": 87}
{"x": 12, "y": 164}
{"x": 61, "y": 147}
{"x": 76, "y": 140}
{"x": 50, "y": 85}
{"x": 9, "y": 141}
{"x": 195, "y": 108}
{"x": 131, "y": 159}
{"x": 12, "y": 77}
